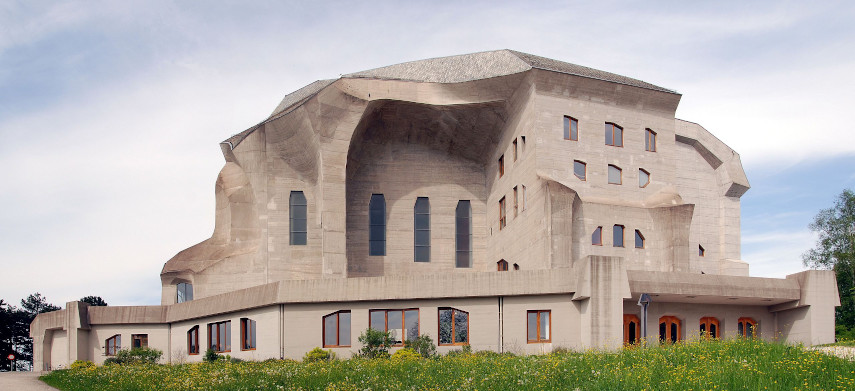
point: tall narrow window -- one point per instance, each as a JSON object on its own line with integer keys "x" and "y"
{"x": 571, "y": 128}
{"x": 639, "y": 239}
{"x": 501, "y": 165}
{"x": 112, "y": 345}
{"x": 515, "y": 149}
{"x": 597, "y": 237}
{"x": 747, "y": 327}
{"x": 614, "y": 135}
{"x": 649, "y": 140}
{"x": 502, "y": 265}
{"x": 139, "y": 341}
{"x": 523, "y": 197}
{"x": 617, "y": 236}
{"x": 580, "y": 170}
{"x": 709, "y": 327}
{"x": 631, "y": 329}
{"x": 337, "y": 330}
{"x": 701, "y": 250}
{"x": 503, "y": 219}
{"x": 522, "y": 139}
{"x": 516, "y": 202}
{"x": 401, "y": 324}
{"x": 247, "y": 334}
{"x": 220, "y": 336}
{"x": 539, "y": 325}
{"x": 193, "y": 340}
{"x": 421, "y": 217}
{"x": 297, "y": 210}
{"x": 185, "y": 292}
{"x": 463, "y": 234}
{"x": 669, "y": 329}
{"x": 643, "y": 177}
{"x": 615, "y": 175}
{"x": 377, "y": 225}
{"x": 453, "y": 326}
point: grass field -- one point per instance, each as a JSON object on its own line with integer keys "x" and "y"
{"x": 699, "y": 365}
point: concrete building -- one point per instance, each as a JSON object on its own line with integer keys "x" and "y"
{"x": 498, "y": 199}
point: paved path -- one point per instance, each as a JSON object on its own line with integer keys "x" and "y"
{"x": 23, "y": 381}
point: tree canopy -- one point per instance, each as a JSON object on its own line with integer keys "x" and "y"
{"x": 95, "y": 301}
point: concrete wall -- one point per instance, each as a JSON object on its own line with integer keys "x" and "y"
{"x": 58, "y": 350}
{"x": 98, "y": 335}
{"x": 690, "y": 315}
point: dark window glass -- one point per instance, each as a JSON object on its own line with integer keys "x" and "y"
{"x": 377, "y": 225}
{"x": 401, "y": 324}
{"x": 617, "y": 237}
{"x": 113, "y": 345}
{"x": 673, "y": 332}
{"x": 453, "y": 326}
{"x": 463, "y": 234}
{"x": 446, "y": 326}
{"x": 631, "y": 333}
{"x": 501, "y": 165}
{"x": 411, "y": 324}
{"x": 503, "y": 220}
{"x": 502, "y": 266}
{"x": 700, "y": 250}
{"x": 597, "y": 236}
{"x": 662, "y": 331}
{"x": 614, "y": 135}
{"x": 580, "y": 170}
{"x": 185, "y": 292}
{"x": 713, "y": 331}
{"x": 220, "y": 336}
{"x": 247, "y": 334}
{"x": 299, "y": 232}
{"x": 421, "y": 217}
{"x": 741, "y": 329}
{"x": 139, "y": 341}
{"x": 639, "y": 239}
{"x": 193, "y": 340}
{"x": 571, "y": 129}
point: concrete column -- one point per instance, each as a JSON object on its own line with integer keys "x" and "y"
{"x": 810, "y": 320}
{"x": 602, "y": 286}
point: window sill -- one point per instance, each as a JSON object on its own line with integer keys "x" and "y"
{"x": 544, "y": 341}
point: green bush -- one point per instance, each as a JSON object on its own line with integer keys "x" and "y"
{"x": 464, "y": 350}
{"x": 211, "y": 355}
{"x": 318, "y": 354}
{"x": 138, "y": 355}
{"x": 406, "y": 354}
{"x": 375, "y": 343}
{"x": 423, "y": 345}
{"x": 82, "y": 364}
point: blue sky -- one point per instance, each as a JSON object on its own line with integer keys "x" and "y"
{"x": 111, "y": 112}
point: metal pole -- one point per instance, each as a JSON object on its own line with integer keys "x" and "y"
{"x": 643, "y": 302}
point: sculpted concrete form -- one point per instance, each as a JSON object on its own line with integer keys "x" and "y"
{"x": 486, "y": 129}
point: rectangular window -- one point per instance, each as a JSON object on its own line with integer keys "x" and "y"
{"x": 522, "y": 139}
{"x": 298, "y": 219}
{"x": 515, "y": 149}
{"x": 643, "y": 177}
{"x": 220, "y": 336}
{"x": 539, "y": 326}
{"x": 337, "y": 330}
{"x": 463, "y": 234}
{"x": 502, "y": 218}
{"x": 402, "y": 325}
{"x": 580, "y": 170}
{"x": 597, "y": 237}
{"x": 571, "y": 128}
{"x": 639, "y": 239}
{"x": 614, "y": 135}
{"x": 454, "y": 326}
{"x": 516, "y": 202}
{"x": 617, "y": 236}
{"x": 377, "y": 225}
{"x": 193, "y": 340}
{"x": 247, "y": 334}
{"x": 421, "y": 224}
{"x": 501, "y": 166}
{"x": 113, "y": 345}
{"x": 523, "y": 197}
{"x": 615, "y": 175}
{"x": 139, "y": 341}
{"x": 649, "y": 140}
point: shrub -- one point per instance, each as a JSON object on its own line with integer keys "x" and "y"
{"x": 138, "y": 355}
{"x": 318, "y": 354}
{"x": 82, "y": 364}
{"x": 211, "y": 355}
{"x": 406, "y": 354}
{"x": 375, "y": 343}
{"x": 465, "y": 350}
{"x": 423, "y": 345}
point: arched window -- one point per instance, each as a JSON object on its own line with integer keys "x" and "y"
{"x": 421, "y": 222}
{"x": 298, "y": 212}
{"x": 669, "y": 329}
{"x": 112, "y": 345}
{"x": 631, "y": 329}
{"x": 337, "y": 329}
{"x": 649, "y": 140}
{"x": 463, "y": 234}
{"x": 377, "y": 225}
{"x": 615, "y": 175}
{"x": 453, "y": 326}
{"x": 185, "y": 292}
{"x": 643, "y": 177}
{"x": 502, "y": 265}
{"x": 747, "y": 327}
{"x": 617, "y": 235}
{"x": 614, "y": 135}
{"x": 710, "y": 327}
{"x": 193, "y": 340}
{"x": 597, "y": 237}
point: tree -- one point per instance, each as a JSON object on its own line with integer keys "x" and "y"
{"x": 835, "y": 250}
{"x": 95, "y": 301}
{"x": 36, "y": 304}
{"x": 20, "y": 319}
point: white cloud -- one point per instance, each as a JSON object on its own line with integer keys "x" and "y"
{"x": 777, "y": 253}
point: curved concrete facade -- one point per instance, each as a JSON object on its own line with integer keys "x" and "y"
{"x": 478, "y": 128}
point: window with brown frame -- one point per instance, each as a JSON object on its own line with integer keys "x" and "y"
{"x": 539, "y": 326}
{"x": 614, "y": 135}
{"x": 463, "y": 234}
{"x": 421, "y": 230}
{"x": 669, "y": 329}
{"x": 639, "y": 239}
{"x": 701, "y": 250}
{"x": 515, "y": 149}
{"x": 247, "y": 334}
{"x": 337, "y": 330}
{"x": 403, "y": 325}
{"x": 501, "y": 166}
{"x": 193, "y": 340}
{"x": 709, "y": 328}
{"x": 643, "y": 178}
{"x": 502, "y": 265}
{"x": 503, "y": 221}
{"x": 571, "y": 128}
{"x": 617, "y": 235}
{"x": 649, "y": 140}
{"x": 453, "y": 326}
{"x": 631, "y": 329}
{"x": 747, "y": 327}
{"x": 139, "y": 341}
{"x": 516, "y": 202}
{"x": 597, "y": 237}
{"x": 220, "y": 336}
{"x": 112, "y": 345}
{"x": 615, "y": 175}
{"x": 580, "y": 170}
